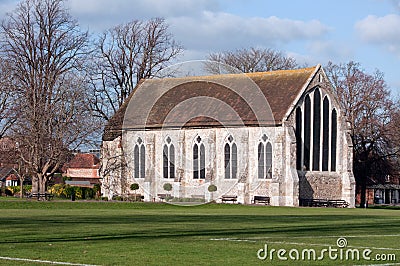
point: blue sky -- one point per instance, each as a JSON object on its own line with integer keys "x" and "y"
{"x": 366, "y": 31}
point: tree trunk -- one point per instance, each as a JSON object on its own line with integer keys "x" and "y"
{"x": 21, "y": 184}
{"x": 363, "y": 191}
{"x": 41, "y": 182}
{"x": 43, "y": 185}
{"x": 35, "y": 184}
{"x": 363, "y": 176}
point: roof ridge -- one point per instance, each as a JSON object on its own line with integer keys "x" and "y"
{"x": 249, "y": 74}
{"x": 282, "y": 71}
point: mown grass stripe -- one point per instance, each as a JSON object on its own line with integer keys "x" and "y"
{"x": 45, "y": 261}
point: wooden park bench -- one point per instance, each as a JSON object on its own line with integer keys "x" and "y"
{"x": 338, "y": 203}
{"x": 137, "y": 197}
{"x": 229, "y": 198}
{"x": 198, "y": 197}
{"x": 164, "y": 197}
{"x": 324, "y": 203}
{"x": 314, "y": 202}
{"x": 261, "y": 199}
{"x": 46, "y": 196}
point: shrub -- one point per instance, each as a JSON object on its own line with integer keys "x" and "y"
{"x": 9, "y": 192}
{"x": 27, "y": 188}
{"x": 187, "y": 200}
{"x": 212, "y": 188}
{"x": 66, "y": 191}
{"x": 97, "y": 188}
{"x": 14, "y": 189}
{"x": 118, "y": 198}
{"x": 59, "y": 190}
{"x": 134, "y": 198}
{"x": 134, "y": 186}
{"x": 167, "y": 187}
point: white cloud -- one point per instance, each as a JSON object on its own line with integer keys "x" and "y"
{"x": 102, "y": 14}
{"x": 321, "y": 52}
{"x": 381, "y": 30}
{"x": 141, "y": 9}
{"x": 331, "y": 50}
{"x": 200, "y": 26}
{"x": 224, "y": 31}
{"x": 304, "y": 59}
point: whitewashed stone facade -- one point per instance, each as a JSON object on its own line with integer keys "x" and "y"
{"x": 285, "y": 182}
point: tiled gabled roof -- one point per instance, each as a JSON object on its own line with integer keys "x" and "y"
{"x": 6, "y": 172}
{"x": 84, "y": 160}
{"x": 280, "y": 89}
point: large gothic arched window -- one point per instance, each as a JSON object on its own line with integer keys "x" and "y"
{"x": 316, "y": 133}
{"x": 316, "y": 130}
{"x": 299, "y": 144}
{"x": 325, "y": 135}
{"x": 307, "y": 132}
{"x": 333, "y": 140}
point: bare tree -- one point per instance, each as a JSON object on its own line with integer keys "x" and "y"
{"x": 7, "y": 114}
{"x": 22, "y": 173}
{"x": 124, "y": 55}
{"x": 44, "y": 49}
{"x": 249, "y": 60}
{"x": 372, "y": 115}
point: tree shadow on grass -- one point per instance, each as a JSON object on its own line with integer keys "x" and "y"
{"x": 67, "y": 228}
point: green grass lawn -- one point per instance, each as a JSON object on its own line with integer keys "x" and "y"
{"x": 117, "y": 233}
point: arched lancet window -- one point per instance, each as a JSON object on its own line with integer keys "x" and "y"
{"x": 261, "y": 160}
{"x": 299, "y": 151}
{"x": 316, "y": 133}
{"x": 307, "y": 132}
{"x": 199, "y": 159}
{"x": 230, "y": 151}
{"x": 269, "y": 160}
{"x": 136, "y": 159}
{"x": 316, "y": 130}
{"x": 139, "y": 159}
{"x": 333, "y": 140}
{"x": 325, "y": 135}
{"x": 168, "y": 159}
{"x": 264, "y": 158}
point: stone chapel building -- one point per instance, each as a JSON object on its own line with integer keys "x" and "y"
{"x": 280, "y": 134}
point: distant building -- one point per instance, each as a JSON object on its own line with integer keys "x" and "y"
{"x": 378, "y": 193}
{"x": 303, "y": 152}
{"x": 83, "y": 167}
{"x": 8, "y": 163}
{"x": 8, "y": 177}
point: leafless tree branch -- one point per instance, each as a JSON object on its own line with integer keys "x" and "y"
{"x": 248, "y": 60}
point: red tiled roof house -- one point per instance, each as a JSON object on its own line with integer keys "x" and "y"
{"x": 83, "y": 167}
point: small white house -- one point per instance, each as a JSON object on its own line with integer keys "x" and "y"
{"x": 8, "y": 177}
